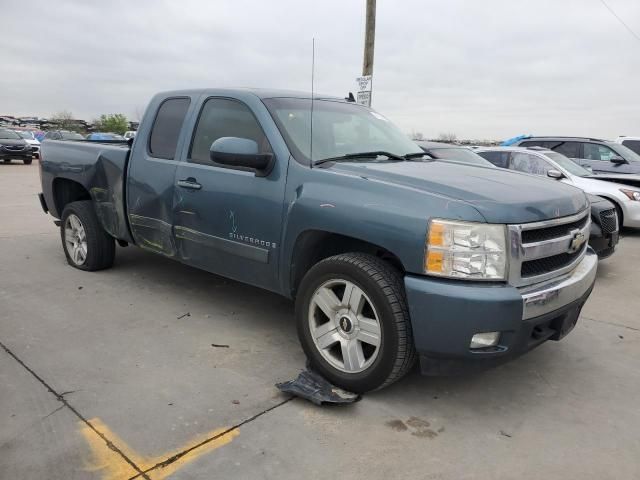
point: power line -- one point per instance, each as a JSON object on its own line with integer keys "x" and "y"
{"x": 620, "y": 20}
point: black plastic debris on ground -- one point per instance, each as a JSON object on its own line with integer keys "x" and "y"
{"x": 313, "y": 387}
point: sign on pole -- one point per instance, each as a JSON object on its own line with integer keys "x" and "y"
{"x": 364, "y": 90}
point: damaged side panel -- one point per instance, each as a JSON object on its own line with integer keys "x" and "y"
{"x": 98, "y": 169}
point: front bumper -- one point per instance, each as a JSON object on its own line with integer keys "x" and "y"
{"x": 445, "y": 314}
{"x": 4, "y": 155}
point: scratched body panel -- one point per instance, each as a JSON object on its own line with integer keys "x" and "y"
{"x": 99, "y": 168}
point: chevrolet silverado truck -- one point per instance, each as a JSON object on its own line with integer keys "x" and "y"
{"x": 390, "y": 256}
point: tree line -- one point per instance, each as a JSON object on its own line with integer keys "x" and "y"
{"x": 112, "y": 122}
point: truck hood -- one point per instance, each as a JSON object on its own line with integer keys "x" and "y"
{"x": 501, "y": 196}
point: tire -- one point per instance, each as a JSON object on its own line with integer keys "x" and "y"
{"x": 381, "y": 299}
{"x": 27, "y": 161}
{"x": 6, "y": 160}
{"x": 99, "y": 247}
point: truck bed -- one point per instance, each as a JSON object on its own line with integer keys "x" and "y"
{"x": 99, "y": 168}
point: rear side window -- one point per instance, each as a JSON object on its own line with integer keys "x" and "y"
{"x": 166, "y": 128}
{"x": 632, "y": 144}
{"x": 531, "y": 143}
{"x": 499, "y": 159}
{"x": 568, "y": 149}
{"x": 221, "y": 117}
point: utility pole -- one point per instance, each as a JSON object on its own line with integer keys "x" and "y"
{"x": 369, "y": 38}
{"x": 365, "y": 82}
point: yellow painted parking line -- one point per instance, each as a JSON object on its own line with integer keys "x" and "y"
{"x": 112, "y": 466}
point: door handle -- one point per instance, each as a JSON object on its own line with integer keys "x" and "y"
{"x": 189, "y": 183}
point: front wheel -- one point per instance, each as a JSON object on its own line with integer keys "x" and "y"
{"x": 353, "y": 322}
{"x": 27, "y": 161}
{"x": 86, "y": 244}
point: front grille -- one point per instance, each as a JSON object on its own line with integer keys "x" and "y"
{"x": 608, "y": 221}
{"x": 540, "y": 266}
{"x": 14, "y": 148}
{"x": 542, "y": 234}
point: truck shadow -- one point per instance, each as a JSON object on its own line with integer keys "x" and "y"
{"x": 272, "y": 312}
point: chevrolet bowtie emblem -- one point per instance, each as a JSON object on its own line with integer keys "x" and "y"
{"x": 576, "y": 242}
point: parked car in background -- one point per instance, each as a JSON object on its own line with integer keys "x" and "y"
{"x": 632, "y": 143}
{"x": 129, "y": 134}
{"x": 104, "y": 136}
{"x": 62, "y": 135}
{"x": 605, "y": 231}
{"x": 14, "y": 147}
{"x": 389, "y": 255}
{"x": 456, "y": 153}
{"x": 548, "y": 163}
{"x": 31, "y": 140}
{"x": 598, "y": 155}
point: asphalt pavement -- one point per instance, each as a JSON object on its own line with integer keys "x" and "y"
{"x": 114, "y": 374}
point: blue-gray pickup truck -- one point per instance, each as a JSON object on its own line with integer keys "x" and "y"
{"x": 391, "y": 256}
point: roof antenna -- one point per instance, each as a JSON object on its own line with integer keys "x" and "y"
{"x": 313, "y": 67}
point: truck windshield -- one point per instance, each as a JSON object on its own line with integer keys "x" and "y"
{"x": 6, "y": 134}
{"x": 339, "y": 129}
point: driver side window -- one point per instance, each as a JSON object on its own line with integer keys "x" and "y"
{"x": 523, "y": 162}
{"x": 222, "y": 117}
{"x": 594, "y": 151}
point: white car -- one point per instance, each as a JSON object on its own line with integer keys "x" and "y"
{"x": 129, "y": 134}
{"x": 31, "y": 140}
{"x": 540, "y": 161}
{"x": 632, "y": 143}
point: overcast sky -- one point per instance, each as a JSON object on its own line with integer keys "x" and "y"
{"x": 479, "y": 69}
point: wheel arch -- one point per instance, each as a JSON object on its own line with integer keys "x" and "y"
{"x": 66, "y": 191}
{"x": 312, "y": 246}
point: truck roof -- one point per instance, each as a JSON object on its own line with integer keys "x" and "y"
{"x": 262, "y": 93}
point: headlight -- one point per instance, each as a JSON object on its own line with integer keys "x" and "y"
{"x": 466, "y": 250}
{"x": 632, "y": 194}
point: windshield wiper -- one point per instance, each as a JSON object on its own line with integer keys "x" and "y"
{"x": 351, "y": 156}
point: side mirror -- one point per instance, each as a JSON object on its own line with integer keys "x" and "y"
{"x": 557, "y": 174}
{"x": 240, "y": 153}
{"x": 617, "y": 159}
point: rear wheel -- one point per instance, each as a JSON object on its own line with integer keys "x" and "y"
{"x": 353, "y": 322}
{"x": 86, "y": 244}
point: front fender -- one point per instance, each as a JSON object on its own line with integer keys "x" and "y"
{"x": 391, "y": 217}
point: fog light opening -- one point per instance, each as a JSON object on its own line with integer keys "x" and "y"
{"x": 484, "y": 340}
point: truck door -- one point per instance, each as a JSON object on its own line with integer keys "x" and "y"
{"x": 229, "y": 221}
{"x": 151, "y": 175}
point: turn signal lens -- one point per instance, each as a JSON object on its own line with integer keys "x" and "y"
{"x": 435, "y": 262}
{"x": 436, "y": 235}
